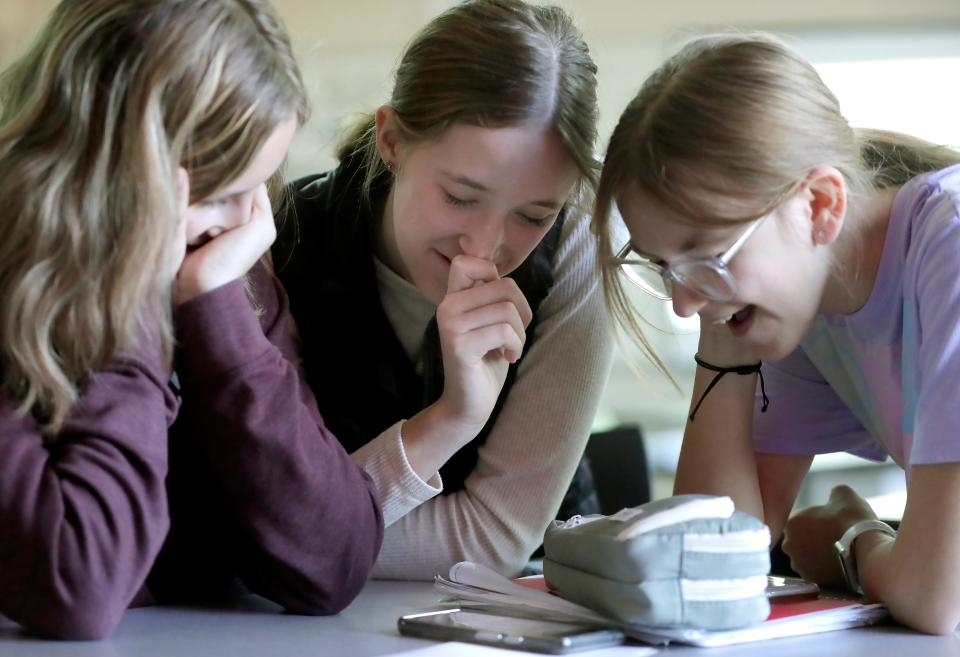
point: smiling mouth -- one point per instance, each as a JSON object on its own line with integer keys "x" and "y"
{"x": 736, "y": 318}
{"x": 741, "y": 321}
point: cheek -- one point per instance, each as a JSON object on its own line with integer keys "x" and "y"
{"x": 520, "y": 243}
{"x": 197, "y": 221}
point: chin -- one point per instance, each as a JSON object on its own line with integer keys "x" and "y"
{"x": 433, "y": 290}
{"x": 775, "y": 352}
{"x": 778, "y": 344}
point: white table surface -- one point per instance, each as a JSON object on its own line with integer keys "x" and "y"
{"x": 368, "y": 627}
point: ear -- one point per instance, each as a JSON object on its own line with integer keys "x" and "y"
{"x": 826, "y": 193}
{"x": 389, "y": 143}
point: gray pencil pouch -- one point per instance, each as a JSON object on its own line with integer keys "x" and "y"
{"x": 685, "y": 561}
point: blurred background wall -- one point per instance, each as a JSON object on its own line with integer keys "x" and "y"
{"x": 894, "y": 65}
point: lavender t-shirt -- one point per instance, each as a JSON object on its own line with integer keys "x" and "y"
{"x": 886, "y": 379}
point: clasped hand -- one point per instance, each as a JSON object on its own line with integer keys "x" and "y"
{"x": 482, "y": 323}
{"x": 809, "y": 535}
{"x": 229, "y": 253}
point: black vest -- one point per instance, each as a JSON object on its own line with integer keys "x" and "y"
{"x": 352, "y": 359}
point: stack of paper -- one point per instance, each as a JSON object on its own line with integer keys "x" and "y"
{"x": 475, "y": 586}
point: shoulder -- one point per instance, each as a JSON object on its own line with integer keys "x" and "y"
{"x": 576, "y": 293}
{"x": 926, "y": 213}
{"x": 930, "y": 202}
{"x": 576, "y": 255}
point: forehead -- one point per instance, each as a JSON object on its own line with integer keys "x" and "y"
{"x": 531, "y": 159}
{"x": 663, "y": 232}
{"x": 267, "y": 160}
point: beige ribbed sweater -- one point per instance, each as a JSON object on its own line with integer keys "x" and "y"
{"x": 524, "y": 468}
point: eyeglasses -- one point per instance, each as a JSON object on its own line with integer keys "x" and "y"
{"x": 708, "y": 277}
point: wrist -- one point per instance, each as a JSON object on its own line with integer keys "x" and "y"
{"x": 431, "y": 437}
{"x": 191, "y": 288}
{"x": 855, "y": 545}
{"x": 742, "y": 370}
{"x": 720, "y": 349}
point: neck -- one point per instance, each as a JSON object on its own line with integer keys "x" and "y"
{"x": 385, "y": 244}
{"x": 857, "y": 253}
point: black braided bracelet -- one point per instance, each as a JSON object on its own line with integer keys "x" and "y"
{"x": 738, "y": 369}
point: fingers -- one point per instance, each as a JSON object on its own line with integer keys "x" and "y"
{"x": 842, "y": 492}
{"x": 178, "y": 250}
{"x": 479, "y": 302}
{"x": 494, "y": 341}
{"x": 233, "y": 247}
{"x": 503, "y": 314}
{"x": 183, "y": 191}
{"x": 483, "y": 294}
{"x": 247, "y": 241}
{"x": 467, "y": 271}
{"x": 262, "y": 208}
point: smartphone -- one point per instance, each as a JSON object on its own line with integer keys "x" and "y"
{"x": 782, "y": 587}
{"x": 507, "y": 632}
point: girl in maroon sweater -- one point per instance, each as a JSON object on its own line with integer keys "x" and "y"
{"x": 137, "y": 140}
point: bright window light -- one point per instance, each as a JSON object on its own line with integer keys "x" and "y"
{"x": 916, "y": 96}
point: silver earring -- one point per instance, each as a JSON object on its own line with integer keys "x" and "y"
{"x": 821, "y": 235}
{"x": 390, "y": 166}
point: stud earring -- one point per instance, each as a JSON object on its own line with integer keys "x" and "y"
{"x": 390, "y": 166}
{"x": 821, "y": 235}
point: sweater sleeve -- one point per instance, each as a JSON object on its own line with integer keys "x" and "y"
{"x": 83, "y": 516}
{"x": 528, "y": 460}
{"x": 308, "y": 515}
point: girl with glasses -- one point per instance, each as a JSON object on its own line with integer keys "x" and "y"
{"x": 444, "y": 284}
{"x": 137, "y": 141}
{"x": 828, "y": 253}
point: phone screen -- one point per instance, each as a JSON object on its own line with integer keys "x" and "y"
{"x": 507, "y": 631}
{"x": 782, "y": 587}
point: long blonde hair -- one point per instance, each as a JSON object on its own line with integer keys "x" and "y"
{"x": 492, "y": 63}
{"x": 742, "y": 117}
{"x": 95, "y": 119}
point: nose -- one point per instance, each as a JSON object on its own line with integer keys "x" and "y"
{"x": 484, "y": 239}
{"x": 687, "y": 302}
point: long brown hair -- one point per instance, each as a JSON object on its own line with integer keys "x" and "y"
{"x": 95, "y": 119}
{"x": 742, "y": 117}
{"x": 492, "y": 63}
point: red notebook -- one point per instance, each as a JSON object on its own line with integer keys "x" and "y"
{"x": 789, "y": 616}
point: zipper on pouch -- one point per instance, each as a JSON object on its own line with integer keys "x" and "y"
{"x": 747, "y": 541}
{"x": 722, "y": 590}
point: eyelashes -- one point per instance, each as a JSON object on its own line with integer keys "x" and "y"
{"x": 458, "y": 202}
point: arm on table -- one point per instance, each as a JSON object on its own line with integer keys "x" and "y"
{"x": 916, "y": 574}
{"x": 311, "y": 515}
{"x": 84, "y": 517}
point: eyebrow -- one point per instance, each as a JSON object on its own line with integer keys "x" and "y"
{"x": 469, "y": 182}
{"x": 689, "y": 245}
{"x": 473, "y": 184}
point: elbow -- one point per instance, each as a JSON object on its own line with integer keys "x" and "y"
{"x": 923, "y": 608}
{"x": 82, "y": 620}
{"x": 88, "y": 627}
{"x": 326, "y": 594}
{"x": 328, "y": 582}
{"x": 940, "y": 621}
{"x": 509, "y": 559}
{"x": 515, "y": 563}
{"x": 942, "y": 627}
